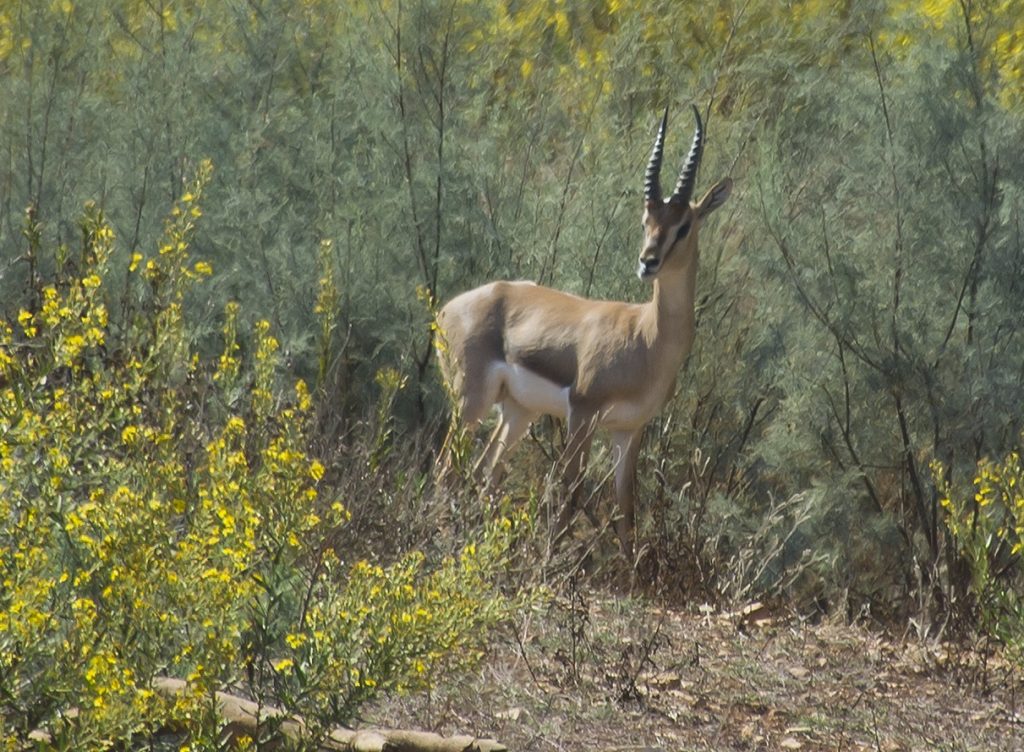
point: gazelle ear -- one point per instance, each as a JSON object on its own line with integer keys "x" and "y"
{"x": 715, "y": 197}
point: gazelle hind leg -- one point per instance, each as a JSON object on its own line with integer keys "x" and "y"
{"x": 475, "y": 391}
{"x": 513, "y": 424}
{"x": 482, "y": 465}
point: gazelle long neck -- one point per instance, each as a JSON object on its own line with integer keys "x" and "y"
{"x": 672, "y": 305}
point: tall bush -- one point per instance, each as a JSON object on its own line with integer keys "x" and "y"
{"x": 161, "y": 516}
{"x": 890, "y": 206}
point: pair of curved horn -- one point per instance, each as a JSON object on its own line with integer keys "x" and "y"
{"x": 687, "y": 175}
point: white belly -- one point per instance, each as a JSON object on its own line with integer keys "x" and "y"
{"x": 535, "y": 393}
{"x": 544, "y": 397}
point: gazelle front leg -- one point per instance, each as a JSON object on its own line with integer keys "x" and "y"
{"x": 626, "y": 451}
{"x": 580, "y": 425}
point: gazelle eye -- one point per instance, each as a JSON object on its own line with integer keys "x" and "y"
{"x": 682, "y": 231}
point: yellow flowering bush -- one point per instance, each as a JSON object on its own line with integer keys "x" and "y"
{"x": 987, "y": 526}
{"x": 161, "y": 517}
{"x": 391, "y": 628}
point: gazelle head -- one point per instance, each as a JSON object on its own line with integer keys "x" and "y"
{"x": 670, "y": 225}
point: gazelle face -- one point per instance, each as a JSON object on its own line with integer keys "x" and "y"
{"x": 670, "y": 225}
{"x": 667, "y": 227}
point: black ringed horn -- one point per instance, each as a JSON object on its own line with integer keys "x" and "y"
{"x": 688, "y": 174}
{"x": 652, "y": 178}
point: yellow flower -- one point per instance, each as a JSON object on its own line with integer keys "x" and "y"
{"x": 25, "y": 319}
{"x": 73, "y": 347}
{"x": 316, "y": 470}
{"x": 302, "y": 393}
{"x": 94, "y": 336}
{"x": 284, "y": 664}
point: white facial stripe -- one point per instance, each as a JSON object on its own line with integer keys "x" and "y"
{"x": 666, "y": 233}
{"x": 674, "y": 229}
{"x": 669, "y": 238}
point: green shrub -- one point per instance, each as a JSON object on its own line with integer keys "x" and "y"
{"x": 986, "y": 524}
{"x": 161, "y": 516}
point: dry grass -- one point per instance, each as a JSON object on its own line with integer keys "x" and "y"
{"x": 600, "y": 672}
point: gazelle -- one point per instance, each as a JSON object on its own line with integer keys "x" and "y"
{"x": 537, "y": 351}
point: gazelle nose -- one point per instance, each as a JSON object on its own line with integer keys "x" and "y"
{"x": 648, "y": 266}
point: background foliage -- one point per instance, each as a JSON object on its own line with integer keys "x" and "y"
{"x": 860, "y": 298}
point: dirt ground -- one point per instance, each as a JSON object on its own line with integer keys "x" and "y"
{"x": 600, "y": 673}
